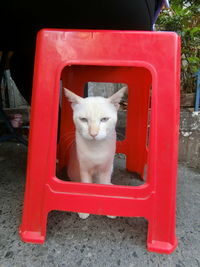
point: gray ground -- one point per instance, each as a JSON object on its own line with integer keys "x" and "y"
{"x": 97, "y": 241}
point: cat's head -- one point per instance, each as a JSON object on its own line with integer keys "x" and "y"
{"x": 95, "y": 117}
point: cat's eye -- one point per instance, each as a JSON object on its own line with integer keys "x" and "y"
{"x": 104, "y": 119}
{"x": 83, "y": 119}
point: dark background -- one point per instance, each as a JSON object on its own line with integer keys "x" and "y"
{"x": 21, "y": 20}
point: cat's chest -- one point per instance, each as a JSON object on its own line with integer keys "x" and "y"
{"x": 96, "y": 155}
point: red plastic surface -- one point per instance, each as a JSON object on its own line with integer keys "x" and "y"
{"x": 140, "y": 59}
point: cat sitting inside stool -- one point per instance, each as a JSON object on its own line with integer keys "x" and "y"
{"x": 93, "y": 153}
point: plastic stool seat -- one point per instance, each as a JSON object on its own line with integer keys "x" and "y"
{"x": 142, "y": 60}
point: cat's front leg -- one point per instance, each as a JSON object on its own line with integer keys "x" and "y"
{"x": 85, "y": 178}
{"x": 83, "y": 215}
{"x": 104, "y": 175}
{"x": 105, "y": 178}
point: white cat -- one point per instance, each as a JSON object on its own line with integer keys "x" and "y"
{"x": 93, "y": 152}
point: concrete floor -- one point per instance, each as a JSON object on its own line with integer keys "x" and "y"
{"x": 97, "y": 241}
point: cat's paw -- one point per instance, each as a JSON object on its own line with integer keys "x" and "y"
{"x": 83, "y": 215}
{"x": 111, "y": 217}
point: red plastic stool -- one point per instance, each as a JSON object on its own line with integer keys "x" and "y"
{"x": 140, "y": 59}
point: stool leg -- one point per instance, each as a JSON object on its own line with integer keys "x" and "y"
{"x": 67, "y": 129}
{"x": 41, "y": 167}
{"x": 137, "y": 122}
{"x": 42, "y": 149}
{"x": 163, "y": 158}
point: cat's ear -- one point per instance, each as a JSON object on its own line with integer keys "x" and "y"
{"x": 73, "y": 98}
{"x": 116, "y": 98}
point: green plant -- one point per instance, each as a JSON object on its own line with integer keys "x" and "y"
{"x": 184, "y": 18}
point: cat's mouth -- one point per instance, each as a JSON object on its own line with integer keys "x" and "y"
{"x": 95, "y": 138}
{"x": 89, "y": 137}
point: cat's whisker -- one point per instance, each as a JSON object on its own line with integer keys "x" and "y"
{"x": 69, "y": 145}
{"x": 66, "y": 140}
{"x": 67, "y": 137}
{"x": 69, "y": 134}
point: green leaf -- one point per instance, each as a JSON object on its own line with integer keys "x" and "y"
{"x": 195, "y": 30}
{"x": 193, "y": 59}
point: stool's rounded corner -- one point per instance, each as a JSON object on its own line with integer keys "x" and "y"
{"x": 162, "y": 247}
{"x": 31, "y": 236}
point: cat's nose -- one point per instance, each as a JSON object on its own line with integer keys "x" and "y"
{"x": 93, "y": 134}
{"x": 93, "y": 130}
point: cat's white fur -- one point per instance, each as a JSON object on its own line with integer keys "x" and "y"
{"x": 95, "y": 141}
